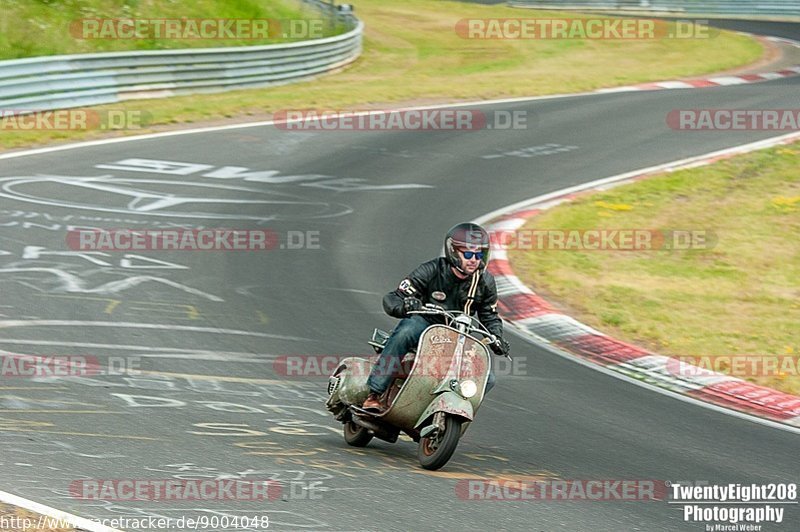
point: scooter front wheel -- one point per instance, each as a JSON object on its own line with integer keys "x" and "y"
{"x": 434, "y": 452}
{"x": 356, "y": 435}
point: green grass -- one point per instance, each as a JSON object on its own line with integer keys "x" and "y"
{"x": 45, "y": 27}
{"x": 741, "y": 295}
{"x": 413, "y": 54}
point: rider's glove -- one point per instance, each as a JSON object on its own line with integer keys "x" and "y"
{"x": 501, "y": 347}
{"x": 411, "y": 303}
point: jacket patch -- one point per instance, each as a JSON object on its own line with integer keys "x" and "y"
{"x": 406, "y": 288}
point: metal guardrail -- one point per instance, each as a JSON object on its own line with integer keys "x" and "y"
{"x": 774, "y": 8}
{"x": 63, "y": 81}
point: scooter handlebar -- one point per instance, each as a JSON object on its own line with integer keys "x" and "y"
{"x": 453, "y": 315}
{"x": 429, "y": 308}
{"x": 494, "y": 340}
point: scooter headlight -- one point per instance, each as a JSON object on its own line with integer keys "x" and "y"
{"x": 468, "y": 388}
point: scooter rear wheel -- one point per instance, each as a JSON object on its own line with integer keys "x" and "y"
{"x": 356, "y": 435}
{"x": 433, "y": 453}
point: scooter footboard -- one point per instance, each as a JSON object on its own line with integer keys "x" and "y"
{"x": 450, "y": 403}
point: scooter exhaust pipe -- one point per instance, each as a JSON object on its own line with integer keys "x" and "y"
{"x": 377, "y": 429}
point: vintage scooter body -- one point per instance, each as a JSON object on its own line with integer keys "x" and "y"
{"x": 434, "y": 396}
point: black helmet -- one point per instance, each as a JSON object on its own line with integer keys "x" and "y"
{"x": 466, "y": 235}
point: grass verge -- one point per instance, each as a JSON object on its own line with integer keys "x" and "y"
{"x": 412, "y": 53}
{"x": 736, "y": 297}
{"x": 52, "y": 27}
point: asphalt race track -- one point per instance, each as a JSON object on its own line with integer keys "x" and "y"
{"x": 208, "y": 327}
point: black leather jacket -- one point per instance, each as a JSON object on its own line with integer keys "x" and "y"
{"x": 434, "y": 282}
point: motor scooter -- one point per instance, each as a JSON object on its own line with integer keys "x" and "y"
{"x": 435, "y": 393}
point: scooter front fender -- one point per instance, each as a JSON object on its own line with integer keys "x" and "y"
{"x": 450, "y": 403}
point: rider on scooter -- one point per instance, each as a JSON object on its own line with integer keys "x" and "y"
{"x": 457, "y": 281}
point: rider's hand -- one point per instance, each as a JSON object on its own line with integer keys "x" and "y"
{"x": 501, "y": 347}
{"x": 411, "y": 303}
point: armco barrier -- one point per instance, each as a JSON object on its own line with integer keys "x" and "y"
{"x": 770, "y": 8}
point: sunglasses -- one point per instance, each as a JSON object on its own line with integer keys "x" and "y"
{"x": 469, "y": 254}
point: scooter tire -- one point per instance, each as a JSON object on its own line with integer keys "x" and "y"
{"x": 433, "y": 459}
{"x": 355, "y": 435}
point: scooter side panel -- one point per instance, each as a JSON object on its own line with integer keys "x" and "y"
{"x": 353, "y": 389}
